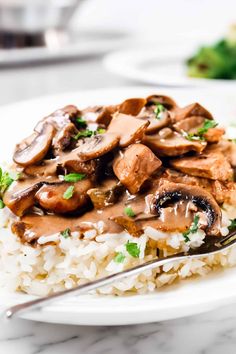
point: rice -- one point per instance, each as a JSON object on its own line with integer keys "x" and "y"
{"x": 75, "y": 260}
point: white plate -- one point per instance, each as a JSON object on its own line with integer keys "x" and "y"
{"x": 187, "y": 298}
{"x": 158, "y": 64}
{"x": 63, "y": 46}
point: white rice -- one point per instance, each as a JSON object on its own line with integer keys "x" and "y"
{"x": 75, "y": 260}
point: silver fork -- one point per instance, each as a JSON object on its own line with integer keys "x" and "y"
{"x": 212, "y": 245}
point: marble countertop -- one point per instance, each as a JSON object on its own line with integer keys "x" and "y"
{"x": 210, "y": 333}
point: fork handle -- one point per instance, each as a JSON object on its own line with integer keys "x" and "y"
{"x": 37, "y": 303}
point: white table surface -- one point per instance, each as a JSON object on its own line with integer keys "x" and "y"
{"x": 211, "y": 333}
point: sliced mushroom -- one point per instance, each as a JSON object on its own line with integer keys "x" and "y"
{"x": 209, "y": 164}
{"x": 189, "y": 125}
{"x": 129, "y": 128}
{"x": 194, "y": 109}
{"x": 51, "y": 197}
{"x": 173, "y": 144}
{"x": 148, "y": 112}
{"x": 193, "y": 124}
{"x": 129, "y": 225}
{"x": 96, "y": 146}
{"x": 60, "y": 118}
{"x": 19, "y": 202}
{"x": 171, "y": 193}
{"x": 63, "y": 138}
{"x": 130, "y": 106}
{"x": 106, "y": 195}
{"x": 135, "y": 166}
{"x": 90, "y": 168}
{"x": 34, "y": 148}
{"x": 64, "y": 123}
{"x": 166, "y": 101}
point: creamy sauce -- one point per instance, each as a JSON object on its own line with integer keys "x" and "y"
{"x": 176, "y": 218}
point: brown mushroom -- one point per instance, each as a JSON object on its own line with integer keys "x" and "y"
{"x": 89, "y": 168}
{"x": 20, "y": 201}
{"x": 131, "y": 106}
{"x": 193, "y": 124}
{"x": 60, "y": 118}
{"x": 106, "y": 194}
{"x": 194, "y": 109}
{"x": 170, "y": 193}
{"x": 129, "y": 128}
{"x": 63, "y": 138}
{"x": 172, "y": 144}
{"x": 34, "y": 148}
{"x": 52, "y": 197}
{"x": 135, "y": 166}
{"x": 166, "y": 101}
{"x": 95, "y": 146}
{"x": 148, "y": 112}
{"x": 209, "y": 164}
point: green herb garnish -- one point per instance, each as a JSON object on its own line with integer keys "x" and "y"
{"x": 133, "y": 249}
{"x": 119, "y": 257}
{"x": 81, "y": 123}
{"x": 101, "y": 131}
{"x": 159, "y": 109}
{"x": 192, "y": 136}
{"x": 84, "y": 134}
{"x": 69, "y": 192}
{"x": 66, "y": 233}
{"x": 6, "y": 179}
{"x": 74, "y": 177}
{"x": 208, "y": 124}
{"x": 193, "y": 228}
{"x": 232, "y": 226}
{"x": 129, "y": 212}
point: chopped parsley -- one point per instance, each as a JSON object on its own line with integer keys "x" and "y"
{"x": 129, "y": 212}
{"x": 6, "y": 179}
{"x": 119, "y": 257}
{"x": 192, "y": 136}
{"x": 208, "y": 124}
{"x": 66, "y": 233}
{"x": 133, "y": 249}
{"x": 193, "y": 228}
{"x": 159, "y": 110}
{"x": 84, "y": 134}
{"x": 232, "y": 226}
{"x": 81, "y": 123}
{"x": 101, "y": 131}
{"x": 74, "y": 177}
{"x": 69, "y": 192}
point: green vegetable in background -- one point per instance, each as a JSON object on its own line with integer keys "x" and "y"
{"x": 216, "y": 61}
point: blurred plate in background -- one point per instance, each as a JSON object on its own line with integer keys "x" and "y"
{"x": 158, "y": 64}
